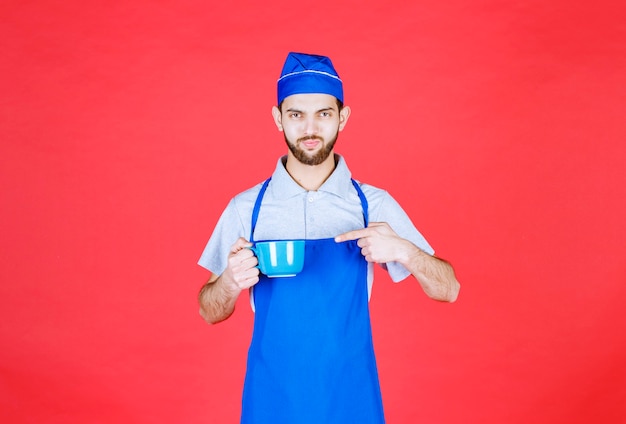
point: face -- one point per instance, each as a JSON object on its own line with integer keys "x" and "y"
{"x": 310, "y": 123}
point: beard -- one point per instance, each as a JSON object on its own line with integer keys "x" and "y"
{"x": 315, "y": 159}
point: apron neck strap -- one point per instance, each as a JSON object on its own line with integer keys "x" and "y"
{"x": 257, "y": 208}
{"x": 364, "y": 204}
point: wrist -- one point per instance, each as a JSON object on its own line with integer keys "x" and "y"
{"x": 413, "y": 257}
{"x": 228, "y": 286}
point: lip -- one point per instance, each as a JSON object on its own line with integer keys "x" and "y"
{"x": 310, "y": 144}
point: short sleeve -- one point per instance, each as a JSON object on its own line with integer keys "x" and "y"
{"x": 390, "y": 211}
{"x": 227, "y": 230}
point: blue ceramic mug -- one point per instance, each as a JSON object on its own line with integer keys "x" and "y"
{"x": 280, "y": 258}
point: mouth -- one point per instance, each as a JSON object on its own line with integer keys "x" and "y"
{"x": 310, "y": 142}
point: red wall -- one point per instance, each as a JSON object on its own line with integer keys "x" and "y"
{"x": 125, "y": 127}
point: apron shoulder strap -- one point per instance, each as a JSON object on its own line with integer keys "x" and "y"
{"x": 257, "y": 208}
{"x": 364, "y": 204}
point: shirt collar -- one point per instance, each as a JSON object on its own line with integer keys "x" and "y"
{"x": 283, "y": 186}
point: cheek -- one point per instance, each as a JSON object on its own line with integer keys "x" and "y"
{"x": 290, "y": 133}
{"x": 292, "y": 130}
{"x": 331, "y": 129}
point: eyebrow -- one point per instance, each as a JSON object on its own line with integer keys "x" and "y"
{"x": 317, "y": 111}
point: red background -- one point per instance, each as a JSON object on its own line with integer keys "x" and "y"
{"x": 125, "y": 127}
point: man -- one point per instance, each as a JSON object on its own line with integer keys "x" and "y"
{"x": 311, "y": 358}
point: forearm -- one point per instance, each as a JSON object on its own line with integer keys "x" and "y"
{"x": 435, "y": 275}
{"x": 217, "y": 302}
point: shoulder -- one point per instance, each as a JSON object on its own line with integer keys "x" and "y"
{"x": 382, "y": 205}
{"x": 246, "y": 197}
{"x": 375, "y": 196}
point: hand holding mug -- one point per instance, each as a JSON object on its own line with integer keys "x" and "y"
{"x": 241, "y": 270}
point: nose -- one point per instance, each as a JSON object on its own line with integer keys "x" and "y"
{"x": 311, "y": 126}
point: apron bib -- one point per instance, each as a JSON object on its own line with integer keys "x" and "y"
{"x": 311, "y": 359}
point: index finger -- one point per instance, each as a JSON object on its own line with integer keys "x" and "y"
{"x": 351, "y": 235}
{"x": 240, "y": 244}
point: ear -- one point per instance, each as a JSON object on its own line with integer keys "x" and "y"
{"x": 343, "y": 117}
{"x": 278, "y": 118}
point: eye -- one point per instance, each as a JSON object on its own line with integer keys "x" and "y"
{"x": 325, "y": 114}
{"x": 294, "y": 115}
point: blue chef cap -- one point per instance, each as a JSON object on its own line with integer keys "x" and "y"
{"x": 306, "y": 73}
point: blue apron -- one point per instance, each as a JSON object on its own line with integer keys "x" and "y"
{"x": 311, "y": 359}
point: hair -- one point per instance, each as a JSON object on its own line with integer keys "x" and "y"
{"x": 339, "y": 105}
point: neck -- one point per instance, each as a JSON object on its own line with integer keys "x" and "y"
{"x": 307, "y": 176}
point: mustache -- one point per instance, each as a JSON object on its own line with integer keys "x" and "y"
{"x": 310, "y": 137}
